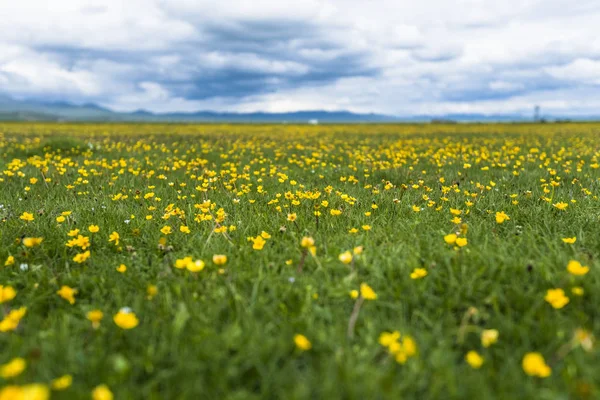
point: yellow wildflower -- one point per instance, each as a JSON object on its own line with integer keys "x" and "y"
{"x": 307, "y": 242}
{"x": 102, "y": 392}
{"x": 575, "y": 268}
{"x": 450, "y": 238}
{"x": 557, "y": 298}
{"x": 345, "y": 257}
{"x": 367, "y": 292}
{"x": 535, "y": 365}
{"x": 95, "y": 316}
{"x": 7, "y": 293}
{"x": 561, "y": 206}
{"x": 126, "y": 319}
{"x": 474, "y": 359}
{"x": 418, "y": 273}
{"x": 62, "y": 383}
{"x": 67, "y": 293}
{"x": 501, "y": 217}
{"x": 13, "y": 368}
{"x": 489, "y": 337}
{"x": 302, "y": 342}
{"x": 82, "y": 257}
{"x": 195, "y": 266}
{"x": 461, "y": 242}
{"x": 26, "y": 217}
{"x": 32, "y": 241}
{"x": 114, "y": 237}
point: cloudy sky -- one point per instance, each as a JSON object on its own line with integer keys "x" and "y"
{"x": 399, "y": 57}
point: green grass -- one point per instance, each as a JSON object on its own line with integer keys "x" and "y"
{"x": 229, "y": 334}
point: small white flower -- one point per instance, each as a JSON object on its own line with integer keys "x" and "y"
{"x": 24, "y": 267}
{"x": 127, "y": 221}
{"x": 291, "y": 279}
{"x": 126, "y": 310}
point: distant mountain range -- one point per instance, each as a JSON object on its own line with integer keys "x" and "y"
{"x": 27, "y": 110}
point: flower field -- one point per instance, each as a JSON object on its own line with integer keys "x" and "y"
{"x": 163, "y": 261}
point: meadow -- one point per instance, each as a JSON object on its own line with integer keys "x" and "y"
{"x": 165, "y": 261}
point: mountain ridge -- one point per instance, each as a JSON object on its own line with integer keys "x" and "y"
{"x": 24, "y": 110}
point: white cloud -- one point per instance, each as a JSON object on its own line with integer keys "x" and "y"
{"x": 581, "y": 70}
{"x": 400, "y": 57}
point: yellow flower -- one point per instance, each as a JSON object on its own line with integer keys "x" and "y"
{"x": 258, "y": 243}
{"x": 219, "y": 259}
{"x": 10, "y": 260}
{"x": 354, "y": 294}
{"x": 501, "y": 217}
{"x": 352, "y": 231}
{"x": 82, "y": 257}
{"x": 366, "y": 227}
{"x": 102, "y": 392}
{"x": 474, "y": 359}
{"x": 195, "y": 266}
{"x": 292, "y": 217}
{"x": 302, "y": 342}
{"x": 461, "y": 242}
{"x": 60, "y": 219}
{"x": 265, "y": 235}
{"x": 569, "y": 240}
{"x": 125, "y": 319}
{"x": 62, "y": 383}
{"x": 386, "y": 339}
{"x": 11, "y": 392}
{"x": 35, "y": 391}
{"x": 95, "y": 316}
{"x": 307, "y": 242}
{"x": 345, "y": 257}
{"x": 7, "y": 293}
{"x": 114, "y": 237}
{"x": 577, "y": 291}
{"x": 489, "y": 337}
{"x": 13, "y": 368}
{"x": 358, "y": 250}
{"x": 561, "y": 206}
{"x": 80, "y": 241}
{"x": 165, "y": 230}
{"x": 557, "y": 298}
{"x": 575, "y": 268}
{"x": 418, "y": 273}
{"x": 93, "y": 228}
{"x": 67, "y": 293}
{"x": 535, "y": 365}
{"x": 335, "y": 212}
{"x": 450, "y": 238}
{"x": 151, "y": 290}
{"x": 27, "y": 216}
{"x": 367, "y": 292}
{"x": 122, "y": 268}
{"x": 73, "y": 232}
{"x": 184, "y": 229}
{"x": 32, "y": 242}
{"x": 181, "y": 263}
{"x": 12, "y": 319}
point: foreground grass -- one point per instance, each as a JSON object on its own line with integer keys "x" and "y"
{"x": 227, "y": 330}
